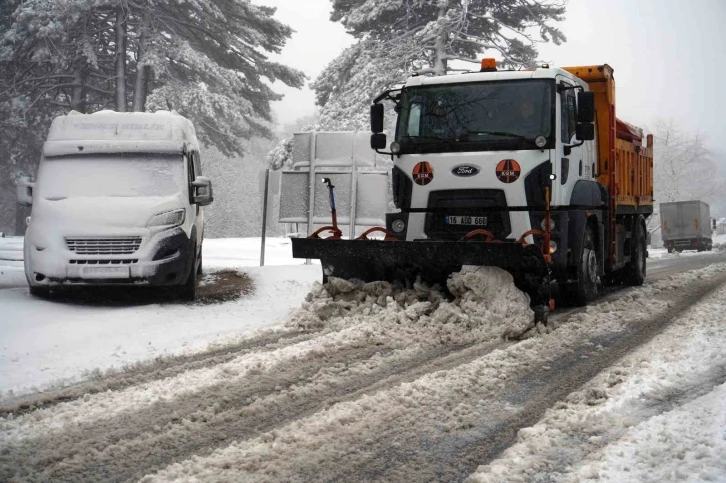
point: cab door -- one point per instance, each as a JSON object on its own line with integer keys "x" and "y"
{"x": 569, "y": 155}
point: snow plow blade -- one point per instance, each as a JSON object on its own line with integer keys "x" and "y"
{"x": 432, "y": 261}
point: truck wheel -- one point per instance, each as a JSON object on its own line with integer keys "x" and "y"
{"x": 635, "y": 269}
{"x": 670, "y": 250}
{"x": 583, "y": 291}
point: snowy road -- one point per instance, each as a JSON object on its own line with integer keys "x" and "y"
{"x": 369, "y": 384}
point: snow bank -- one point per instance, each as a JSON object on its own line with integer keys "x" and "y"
{"x": 44, "y": 341}
{"x": 487, "y": 305}
{"x": 12, "y": 273}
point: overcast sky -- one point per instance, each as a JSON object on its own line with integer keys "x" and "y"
{"x": 668, "y": 56}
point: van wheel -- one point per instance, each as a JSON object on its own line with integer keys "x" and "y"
{"x": 635, "y": 269}
{"x": 188, "y": 291}
{"x": 583, "y": 291}
{"x": 41, "y": 292}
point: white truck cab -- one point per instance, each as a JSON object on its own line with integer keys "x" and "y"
{"x": 118, "y": 200}
{"x": 483, "y": 138}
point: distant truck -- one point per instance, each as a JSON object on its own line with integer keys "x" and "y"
{"x": 118, "y": 201}
{"x": 686, "y": 225}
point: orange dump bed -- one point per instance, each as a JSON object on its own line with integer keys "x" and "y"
{"x": 625, "y": 161}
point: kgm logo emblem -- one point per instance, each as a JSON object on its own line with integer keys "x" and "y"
{"x": 465, "y": 170}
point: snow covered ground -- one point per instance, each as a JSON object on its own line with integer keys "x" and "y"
{"x": 657, "y": 415}
{"x": 43, "y": 341}
{"x": 370, "y": 382}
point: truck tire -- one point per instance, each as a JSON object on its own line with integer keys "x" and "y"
{"x": 635, "y": 270}
{"x": 583, "y": 291}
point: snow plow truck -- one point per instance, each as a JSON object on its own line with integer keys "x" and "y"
{"x": 530, "y": 171}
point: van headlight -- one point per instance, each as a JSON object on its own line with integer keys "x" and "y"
{"x": 168, "y": 218}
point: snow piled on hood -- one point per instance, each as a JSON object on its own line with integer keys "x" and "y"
{"x": 486, "y": 305}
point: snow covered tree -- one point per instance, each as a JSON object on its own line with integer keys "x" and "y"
{"x": 207, "y": 59}
{"x": 684, "y": 169}
{"x": 396, "y": 38}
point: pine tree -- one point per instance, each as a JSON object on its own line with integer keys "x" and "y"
{"x": 396, "y": 38}
{"x": 206, "y": 59}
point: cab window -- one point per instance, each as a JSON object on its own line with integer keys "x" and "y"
{"x": 569, "y": 115}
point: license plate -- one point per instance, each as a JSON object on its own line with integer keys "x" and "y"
{"x": 105, "y": 272}
{"x": 466, "y": 220}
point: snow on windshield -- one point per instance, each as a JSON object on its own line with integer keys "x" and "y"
{"x": 117, "y": 175}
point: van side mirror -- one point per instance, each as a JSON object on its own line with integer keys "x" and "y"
{"x": 377, "y": 118}
{"x": 24, "y": 190}
{"x": 585, "y": 132}
{"x": 378, "y": 141}
{"x": 585, "y": 107}
{"x": 202, "y": 187}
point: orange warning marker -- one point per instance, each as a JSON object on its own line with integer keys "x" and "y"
{"x": 508, "y": 171}
{"x": 423, "y": 173}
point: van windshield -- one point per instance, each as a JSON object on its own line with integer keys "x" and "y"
{"x": 114, "y": 175}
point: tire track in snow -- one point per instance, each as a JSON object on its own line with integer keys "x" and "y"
{"x": 358, "y": 372}
{"x": 170, "y": 366}
{"x": 187, "y": 426}
{"x": 455, "y": 457}
{"x": 159, "y": 368}
{"x": 445, "y": 424}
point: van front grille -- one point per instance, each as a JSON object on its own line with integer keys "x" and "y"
{"x": 120, "y": 245}
{"x": 113, "y": 261}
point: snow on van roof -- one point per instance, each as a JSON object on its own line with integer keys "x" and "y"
{"x": 110, "y": 131}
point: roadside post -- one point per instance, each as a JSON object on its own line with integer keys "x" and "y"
{"x": 264, "y": 215}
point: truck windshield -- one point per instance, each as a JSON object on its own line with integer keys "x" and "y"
{"x": 475, "y": 116}
{"x": 115, "y": 175}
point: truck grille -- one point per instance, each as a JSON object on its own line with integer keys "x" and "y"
{"x": 119, "y": 245}
{"x": 472, "y": 202}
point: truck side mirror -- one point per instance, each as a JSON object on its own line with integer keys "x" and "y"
{"x": 202, "y": 187}
{"x": 378, "y": 141}
{"x": 24, "y": 190}
{"x": 377, "y": 118}
{"x": 585, "y": 107}
{"x": 585, "y": 132}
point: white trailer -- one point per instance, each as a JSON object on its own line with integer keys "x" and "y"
{"x": 686, "y": 225}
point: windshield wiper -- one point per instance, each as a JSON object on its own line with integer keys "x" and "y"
{"x": 430, "y": 138}
{"x": 501, "y": 133}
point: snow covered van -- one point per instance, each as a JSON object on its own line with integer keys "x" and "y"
{"x": 117, "y": 201}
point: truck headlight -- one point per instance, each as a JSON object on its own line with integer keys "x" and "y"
{"x": 169, "y": 218}
{"x": 543, "y": 225}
